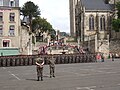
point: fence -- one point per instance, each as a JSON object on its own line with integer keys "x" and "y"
{"x": 25, "y": 60}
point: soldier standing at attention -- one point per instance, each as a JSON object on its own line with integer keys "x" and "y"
{"x": 52, "y": 66}
{"x": 39, "y": 66}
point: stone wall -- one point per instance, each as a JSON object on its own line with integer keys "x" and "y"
{"x": 115, "y": 46}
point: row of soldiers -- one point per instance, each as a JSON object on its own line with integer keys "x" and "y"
{"x": 39, "y": 66}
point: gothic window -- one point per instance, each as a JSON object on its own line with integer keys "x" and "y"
{"x": 102, "y": 23}
{"x": 1, "y": 30}
{"x": 1, "y": 16}
{"x": 12, "y": 17}
{"x": 91, "y": 22}
{"x": 12, "y": 3}
{"x": 12, "y": 30}
{"x": 1, "y": 2}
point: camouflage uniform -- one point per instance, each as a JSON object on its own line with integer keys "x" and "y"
{"x": 52, "y": 66}
{"x": 39, "y": 68}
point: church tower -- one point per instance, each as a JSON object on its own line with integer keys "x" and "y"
{"x": 72, "y": 5}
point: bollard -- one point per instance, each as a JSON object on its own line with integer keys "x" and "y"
{"x": 57, "y": 59}
{"x": 4, "y": 62}
{"x": 8, "y": 61}
{"x": 60, "y": 62}
{"x": 65, "y": 58}
{"x": 74, "y": 58}
{"x": 29, "y": 61}
{"x": 13, "y": 61}
{"x": 17, "y": 61}
{"x": 25, "y": 59}
{"x": 77, "y": 59}
{"x": 0, "y": 62}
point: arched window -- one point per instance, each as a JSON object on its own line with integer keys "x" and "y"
{"x": 12, "y": 3}
{"x": 91, "y": 22}
{"x": 102, "y": 22}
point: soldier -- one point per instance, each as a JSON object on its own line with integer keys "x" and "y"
{"x": 113, "y": 56}
{"x": 102, "y": 57}
{"x": 39, "y": 66}
{"x": 52, "y": 66}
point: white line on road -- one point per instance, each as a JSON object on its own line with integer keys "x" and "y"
{"x": 118, "y": 84}
{"x": 4, "y": 68}
{"x": 12, "y": 74}
{"x": 87, "y": 88}
{"x": 15, "y": 76}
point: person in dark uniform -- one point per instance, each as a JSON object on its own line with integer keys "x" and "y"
{"x": 102, "y": 57}
{"x": 52, "y": 66}
{"x": 39, "y": 66}
{"x": 113, "y": 56}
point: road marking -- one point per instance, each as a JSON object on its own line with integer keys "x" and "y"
{"x": 111, "y": 72}
{"x": 12, "y": 74}
{"x": 15, "y": 76}
{"x": 4, "y": 68}
{"x": 118, "y": 84}
{"x": 87, "y": 88}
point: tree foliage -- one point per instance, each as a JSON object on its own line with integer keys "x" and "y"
{"x": 41, "y": 24}
{"x": 118, "y": 9}
{"x": 36, "y": 23}
{"x": 116, "y": 25}
{"x": 116, "y": 22}
{"x": 31, "y": 11}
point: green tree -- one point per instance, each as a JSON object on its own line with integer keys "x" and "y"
{"x": 118, "y": 9}
{"x": 116, "y": 22}
{"x": 53, "y": 35}
{"x": 116, "y": 25}
{"x": 41, "y": 24}
{"x": 31, "y": 11}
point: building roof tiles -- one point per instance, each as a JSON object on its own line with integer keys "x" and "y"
{"x": 96, "y": 5}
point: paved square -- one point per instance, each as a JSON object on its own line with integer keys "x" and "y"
{"x": 77, "y": 76}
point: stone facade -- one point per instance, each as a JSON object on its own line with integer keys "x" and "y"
{"x": 25, "y": 41}
{"x": 9, "y": 26}
{"x": 115, "y": 46}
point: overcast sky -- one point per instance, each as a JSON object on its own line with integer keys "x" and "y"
{"x": 55, "y": 11}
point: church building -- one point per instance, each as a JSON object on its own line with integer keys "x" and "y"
{"x": 92, "y": 21}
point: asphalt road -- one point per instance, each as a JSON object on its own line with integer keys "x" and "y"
{"x": 78, "y": 76}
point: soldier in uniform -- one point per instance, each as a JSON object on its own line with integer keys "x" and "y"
{"x": 52, "y": 66}
{"x": 113, "y": 56}
{"x": 102, "y": 57}
{"x": 39, "y": 66}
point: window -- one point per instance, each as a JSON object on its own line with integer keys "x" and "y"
{"x": 6, "y": 43}
{"x": 12, "y": 17}
{"x": 1, "y": 30}
{"x": 12, "y": 30}
{"x": 1, "y": 2}
{"x": 102, "y": 22}
{"x": 12, "y": 3}
{"x": 91, "y": 22}
{"x": 1, "y": 16}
